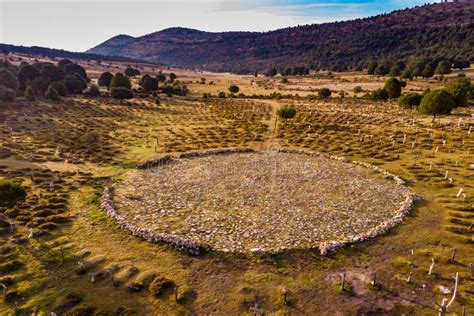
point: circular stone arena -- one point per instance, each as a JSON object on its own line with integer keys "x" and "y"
{"x": 255, "y": 201}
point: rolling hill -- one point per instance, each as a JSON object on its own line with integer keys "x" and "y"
{"x": 434, "y": 30}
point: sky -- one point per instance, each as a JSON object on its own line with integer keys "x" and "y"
{"x": 79, "y": 25}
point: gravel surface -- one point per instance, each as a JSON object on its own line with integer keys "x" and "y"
{"x": 258, "y": 201}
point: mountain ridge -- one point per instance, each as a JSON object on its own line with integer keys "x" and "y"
{"x": 422, "y": 31}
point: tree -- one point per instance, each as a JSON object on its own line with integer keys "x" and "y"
{"x": 371, "y": 67}
{"x": 406, "y": 74}
{"x": 410, "y": 100}
{"x": 286, "y": 113}
{"x": 121, "y": 93}
{"x": 271, "y": 72}
{"x": 173, "y": 76}
{"x": 161, "y": 77}
{"x": 119, "y": 80}
{"x": 428, "y": 71}
{"x": 148, "y": 83}
{"x": 396, "y": 68}
{"x": 381, "y": 70}
{"x": 132, "y": 72}
{"x": 8, "y": 79}
{"x": 52, "y": 72}
{"x": 461, "y": 64}
{"x": 459, "y": 88}
{"x": 443, "y": 68}
{"x": 63, "y": 63}
{"x": 75, "y": 83}
{"x": 39, "y": 85}
{"x": 437, "y": 102}
{"x": 104, "y": 79}
{"x": 76, "y": 69}
{"x": 234, "y": 89}
{"x": 7, "y": 94}
{"x": 51, "y": 94}
{"x": 27, "y": 73}
{"x": 379, "y": 94}
{"x": 29, "y": 94}
{"x": 393, "y": 88}
{"x": 324, "y": 93}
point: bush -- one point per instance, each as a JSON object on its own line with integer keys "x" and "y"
{"x": 121, "y": 93}
{"x": 234, "y": 89}
{"x": 27, "y": 73}
{"x": 324, "y": 93}
{"x": 393, "y": 88}
{"x": 286, "y": 113}
{"x": 284, "y": 80}
{"x": 52, "y": 72}
{"x": 8, "y": 79}
{"x": 105, "y": 79}
{"x": 221, "y": 95}
{"x": 29, "y": 94}
{"x": 357, "y": 89}
{"x": 459, "y": 88}
{"x": 75, "y": 83}
{"x": 437, "y": 102}
{"x": 10, "y": 193}
{"x": 39, "y": 85}
{"x": 443, "y": 68}
{"x": 7, "y": 94}
{"x": 51, "y": 94}
{"x": 173, "y": 76}
{"x": 132, "y": 72}
{"x": 161, "y": 77}
{"x": 93, "y": 91}
{"x": 148, "y": 83}
{"x": 76, "y": 69}
{"x": 410, "y": 100}
{"x": 379, "y": 94}
{"x": 119, "y": 80}
{"x": 60, "y": 88}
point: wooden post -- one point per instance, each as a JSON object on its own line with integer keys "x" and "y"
{"x": 374, "y": 279}
{"x": 284, "y": 293}
{"x": 453, "y": 255}
{"x": 431, "y": 266}
{"x": 409, "y": 278}
{"x": 343, "y": 281}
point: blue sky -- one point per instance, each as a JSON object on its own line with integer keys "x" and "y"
{"x": 78, "y": 25}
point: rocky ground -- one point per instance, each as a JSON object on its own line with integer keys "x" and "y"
{"x": 265, "y": 201}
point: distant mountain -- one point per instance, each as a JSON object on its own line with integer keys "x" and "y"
{"x": 435, "y": 30}
{"x": 59, "y": 53}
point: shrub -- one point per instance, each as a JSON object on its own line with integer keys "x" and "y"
{"x": 410, "y": 100}
{"x": 221, "y": 95}
{"x": 161, "y": 77}
{"x": 173, "y": 76}
{"x": 8, "y": 79}
{"x": 51, "y": 94}
{"x": 39, "y": 85}
{"x": 121, "y": 93}
{"x": 459, "y": 88}
{"x": 7, "y": 94}
{"x": 286, "y": 113}
{"x": 75, "y": 83}
{"x": 52, "y": 72}
{"x": 131, "y": 72}
{"x": 76, "y": 69}
{"x": 443, "y": 68}
{"x": 27, "y": 73}
{"x": 324, "y": 93}
{"x": 358, "y": 89}
{"x": 393, "y": 88}
{"x": 119, "y": 80}
{"x": 381, "y": 70}
{"x": 284, "y": 80}
{"x": 234, "y": 89}
{"x": 29, "y": 94}
{"x": 379, "y": 94}
{"x": 63, "y": 63}
{"x": 148, "y": 83}
{"x": 104, "y": 79}
{"x": 93, "y": 91}
{"x": 437, "y": 102}
{"x": 10, "y": 193}
{"x": 60, "y": 88}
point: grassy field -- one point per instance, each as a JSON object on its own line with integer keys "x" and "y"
{"x": 78, "y": 261}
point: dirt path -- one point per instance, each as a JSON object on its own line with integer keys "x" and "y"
{"x": 271, "y": 141}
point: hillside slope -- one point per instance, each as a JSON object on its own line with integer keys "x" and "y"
{"x": 434, "y": 30}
